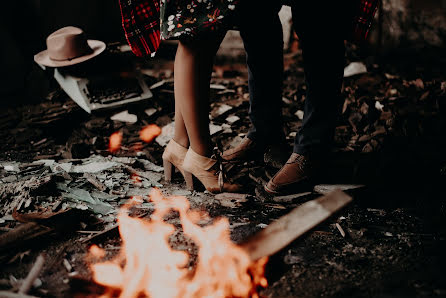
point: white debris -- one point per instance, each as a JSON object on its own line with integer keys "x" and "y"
{"x": 93, "y": 167}
{"x": 354, "y": 68}
{"x": 391, "y": 76}
{"x": 220, "y": 110}
{"x": 67, "y": 265}
{"x": 217, "y": 87}
{"x": 56, "y": 167}
{"x": 11, "y": 168}
{"x": 299, "y": 114}
{"x": 213, "y": 128}
{"x": 232, "y": 119}
{"x": 290, "y": 198}
{"x": 45, "y": 162}
{"x": 226, "y": 128}
{"x": 286, "y": 101}
{"x": 150, "y": 166}
{"x": 124, "y": 116}
{"x": 157, "y": 84}
{"x": 327, "y": 188}
{"x": 379, "y": 106}
{"x": 181, "y": 192}
{"x": 150, "y": 111}
{"x": 167, "y": 133}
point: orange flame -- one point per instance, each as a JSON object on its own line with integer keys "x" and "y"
{"x": 115, "y": 141}
{"x": 148, "y": 266}
{"x": 149, "y": 133}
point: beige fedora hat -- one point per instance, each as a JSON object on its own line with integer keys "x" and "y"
{"x": 68, "y": 46}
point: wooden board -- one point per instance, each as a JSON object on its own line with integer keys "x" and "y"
{"x": 283, "y": 231}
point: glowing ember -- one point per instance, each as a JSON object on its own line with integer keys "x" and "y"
{"x": 115, "y": 141}
{"x": 137, "y": 147}
{"x": 148, "y": 266}
{"x": 149, "y": 133}
{"x": 135, "y": 178}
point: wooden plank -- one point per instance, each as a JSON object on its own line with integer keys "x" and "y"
{"x": 286, "y": 229}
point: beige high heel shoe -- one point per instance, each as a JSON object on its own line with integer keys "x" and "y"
{"x": 209, "y": 171}
{"x": 173, "y": 157}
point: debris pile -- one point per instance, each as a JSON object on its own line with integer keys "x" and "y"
{"x": 64, "y": 174}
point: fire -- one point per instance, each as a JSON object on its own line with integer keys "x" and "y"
{"x": 149, "y": 133}
{"x": 115, "y": 141}
{"x": 148, "y": 266}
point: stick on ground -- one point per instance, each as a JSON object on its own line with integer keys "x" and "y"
{"x": 283, "y": 231}
{"x": 32, "y": 275}
{"x": 6, "y": 294}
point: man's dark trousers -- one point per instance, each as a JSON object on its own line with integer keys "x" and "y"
{"x": 321, "y": 31}
{"x": 261, "y": 31}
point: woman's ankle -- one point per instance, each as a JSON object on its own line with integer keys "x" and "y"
{"x": 182, "y": 141}
{"x": 203, "y": 150}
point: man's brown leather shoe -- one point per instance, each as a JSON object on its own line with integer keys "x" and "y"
{"x": 247, "y": 150}
{"x": 294, "y": 176}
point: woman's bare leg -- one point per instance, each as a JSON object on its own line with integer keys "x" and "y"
{"x": 192, "y": 73}
{"x": 180, "y": 136}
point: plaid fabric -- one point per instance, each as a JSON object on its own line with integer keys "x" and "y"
{"x": 363, "y": 19}
{"x": 141, "y": 23}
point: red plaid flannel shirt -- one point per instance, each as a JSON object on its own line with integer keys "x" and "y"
{"x": 141, "y": 23}
{"x": 363, "y": 19}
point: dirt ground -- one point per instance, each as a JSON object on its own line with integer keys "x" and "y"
{"x": 390, "y": 139}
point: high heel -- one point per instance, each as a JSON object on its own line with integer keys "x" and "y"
{"x": 173, "y": 157}
{"x": 189, "y": 178}
{"x": 168, "y": 169}
{"x": 209, "y": 171}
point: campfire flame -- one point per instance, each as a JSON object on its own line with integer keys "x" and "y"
{"x": 148, "y": 266}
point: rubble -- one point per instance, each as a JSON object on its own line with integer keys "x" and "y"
{"x": 56, "y": 159}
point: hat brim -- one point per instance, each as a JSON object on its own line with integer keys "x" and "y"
{"x": 43, "y": 57}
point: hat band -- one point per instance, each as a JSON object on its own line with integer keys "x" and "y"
{"x": 72, "y": 58}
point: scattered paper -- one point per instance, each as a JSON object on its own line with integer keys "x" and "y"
{"x": 93, "y": 167}
{"x": 220, "y": 110}
{"x": 217, "y": 87}
{"x": 167, "y": 133}
{"x": 354, "y": 68}
{"x": 300, "y": 114}
{"x": 379, "y": 106}
{"x": 213, "y": 128}
{"x": 232, "y": 119}
{"x": 78, "y": 195}
{"x": 124, "y": 116}
{"x": 150, "y": 111}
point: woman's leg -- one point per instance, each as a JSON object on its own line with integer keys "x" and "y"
{"x": 192, "y": 73}
{"x": 180, "y": 136}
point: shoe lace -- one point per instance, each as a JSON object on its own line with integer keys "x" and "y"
{"x": 220, "y": 170}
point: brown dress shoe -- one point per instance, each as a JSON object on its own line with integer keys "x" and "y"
{"x": 247, "y": 150}
{"x": 293, "y": 176}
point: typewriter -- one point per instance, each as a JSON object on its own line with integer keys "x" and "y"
{"x": 107, "y": 81}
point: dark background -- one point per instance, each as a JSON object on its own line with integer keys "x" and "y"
{"x": 400, "y": 26}
{"x": 24, "y": 26}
